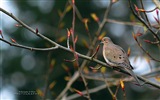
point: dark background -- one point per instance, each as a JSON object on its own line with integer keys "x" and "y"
{"x": 24, "y": 70}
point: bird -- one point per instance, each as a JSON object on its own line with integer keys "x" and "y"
{"x": 115, "y": 56}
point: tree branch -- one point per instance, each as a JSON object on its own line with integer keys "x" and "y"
{"x": 141, "y": 20}
{"x": 58, "y": 46}
{"x": 29, "y": 48}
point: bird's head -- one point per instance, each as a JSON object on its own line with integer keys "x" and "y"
{"x": 106, "y": 40}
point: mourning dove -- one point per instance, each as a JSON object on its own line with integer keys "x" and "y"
{"x": 115, "y": 56}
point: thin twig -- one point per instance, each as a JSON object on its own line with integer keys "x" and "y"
{"x": 101, "y": 25}
{"x": 86, "y": 57}
{"x": 146, "y": 52}
{"x": 109, "y": 89}
{"x": 141, "y": 2}
{"x": 72, "y": 80}
{"x": 47, "y": 78}
{"x": 104, "y": 64}
{"x": 74, "y": 48}
{"x": 141, "y": 20}
{"x": 93, "y": 90}
{"x": 77, "y": 12}
{"x": 29, "y": 48}
{"x": 124, "y": 23}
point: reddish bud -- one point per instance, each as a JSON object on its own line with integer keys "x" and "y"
{"x": 136, "y": 8}
{"x": 147, "y": 41}
{"x": 139, "y": 34}
{"x": 114, "y": 1}
{"x": 134, "y": 36}
{"x": 156, "y": 19}
{"x": 97, "y": 48}
{"x": 68, "y": 33}
{"x": 73, "y": 1}
{"x": 14, "y": 41}
{"x": 1, "y": 33}
{"x": 94, "y": 16}
{"x": 157, "y": 12}
{"x": 129, "y": 51}
{"x": 18, "y": 25}
{"x": 75, "y": 40}
{"x": 71, "y": 31}
{"x": 85, "y": 21}
{"x": 36, "y": 30}
{"x": 78, "y": 92}
{"x": 122, "y": 84}
{"x": 141, "y": 10}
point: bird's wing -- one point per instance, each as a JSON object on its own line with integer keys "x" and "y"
{"x": 116, "y": 56}
{"x": 123, "y": 58}
{"x": 113, "y": 54}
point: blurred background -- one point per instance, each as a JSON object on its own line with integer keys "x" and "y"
{"x": 23, "y": 70}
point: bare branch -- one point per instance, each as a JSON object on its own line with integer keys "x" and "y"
{"x": 86, "y": 58}
{"x": 140, "y": 19}
{"x": 144, "y": 49}
{"x": 74, "y": 78}
{"x": 29, "y": 48}
{"x": 81, "y": 55}
{"x": 93, "y": 90}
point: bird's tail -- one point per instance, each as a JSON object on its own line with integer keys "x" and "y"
{"x": 133, "y": 75}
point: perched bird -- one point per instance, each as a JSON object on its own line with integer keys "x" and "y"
{"x": 115, "y": 56}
